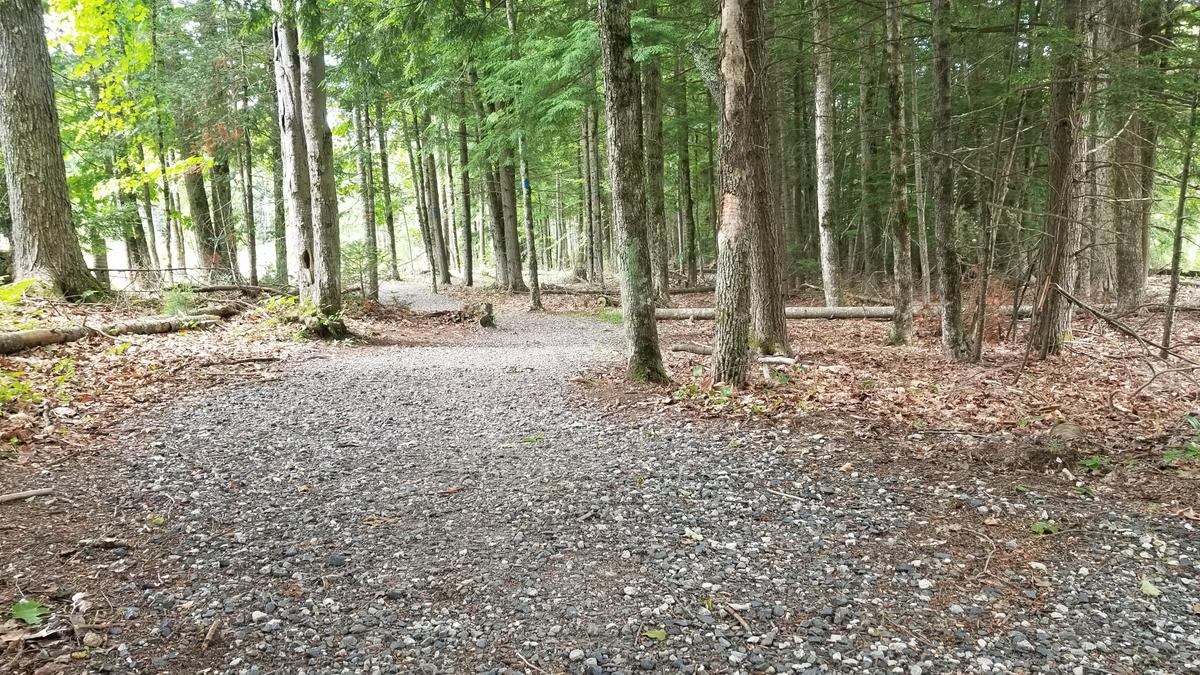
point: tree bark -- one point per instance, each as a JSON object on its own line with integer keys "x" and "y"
{"x": 1177, "y": 238}
{"x": 433, "y": 206}
{"x": 327, "y": 263}
{"x": 920, "y": 195}
{"x": 626, "y": 166}
{"x": 868, "y": 204}
{"x": 652, "y": 143}
{"x": 278, "y": 222}
{"x": 512, "y": 241}
{"x": 1122, "y": 169}
{"x": 465, "y": 177}
{"x": 222, "y": 216}
{"x": 1051, "y": 319}
{"x": 385, "y": 184}
{"x": 296, "y": 177}
{"x": 366, "y": 180}
{"x": 826, "y": 181}
{"x": 901, "y": 237}
{"x": 954, "y": 344}
{"x": 687, "y": 206}
{"x": 45, "y": 244}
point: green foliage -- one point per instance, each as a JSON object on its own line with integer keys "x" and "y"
{"x": 1043, "y": 528}
{"x": 1189, "y": 451}
{"x": 1095, "y": 463}
{"x": 14, "y": 293}
{"x": 657, "y": 634}
{"x": 29, "y": 612}
{"x": 610, "y": 315}
{"x": 15, "y": 388}
{"x": 179, "y": 301}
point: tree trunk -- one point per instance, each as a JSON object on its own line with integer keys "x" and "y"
{"x": 45, "y": 244}
{"x": 465, "y": 176}
{"x": 652, "y": 142}
{"x": 278, "y": 222}
{"x": 868, "y": 203}
{"x": 947, "y": 241}
{"x": 366, "y": 180}
{"x": 296, "y": 177}
{"x": 512, "y": 241}
{"x": 920, "y": 195}
{"x": 327, "y": 267}
{"x": 826, "y": 182}
{"x": 147, "y": 195}
{"x": 1122, "y": 173}
{"x": 222, "y": 216}
{"x": 1177, "y": 238}
{"x": 385, "y": 184}
{"x": 901, "y": 238}
{"x": 247, "y": 167}
{"x": 621, "y": 99}
{"x": 687, "y": 207}
{"x": 597, "y": 193}
{"x": 198, "y": 208}
{"x": 1051, "y": 319}
{"x": 418, "y": 181}
{"x": 434, "y": 207}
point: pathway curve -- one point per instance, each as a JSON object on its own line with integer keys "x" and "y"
{"x": 459, "y": 509}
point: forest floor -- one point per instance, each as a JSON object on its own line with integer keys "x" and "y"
{"x": 453, "y": 499}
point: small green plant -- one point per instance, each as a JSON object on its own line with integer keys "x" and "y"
{"x": 656, "y": 634}
{"x": 1085, "y": 490}
{"x": 179, "y": 301}
{"x": 14, "y": 388}
{"x": 29, "y": 612}
{"x": 534, "y": 439}
{"x": 1020, "y": 488}
{"x": 1042, "y": 528}
{"x": 11, "y": 294}
{"x": 1189, "y": 451}
{"x": 1095, "y": 463}
{"x": 610, "y": 315}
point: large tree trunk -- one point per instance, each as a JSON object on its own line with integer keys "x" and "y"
{"x": 652, "y": 143}
{"x": 512, "y": 240}
{"x": 756, "y": 191}
{"x": 1051, "y": 318}
{"x": 740, "y": 64}
{"x": 385, "y": 184}
{"x": 206, "y": 241}
{"x": 687, "y": 208}
{"x": 920, "y": 195}
{"x": 947, "y": 241}
{"x": 222, "y": 215}
{"x": 278, "y": 223}
{"x": 247, "y": 166}
{"x": 45, "y": 245}
{"x": 294, "y": 153}
{"x": 901, "y": 238}
{"x": 366, "y": 180}
{"x": 465, "y": 176}
{"x": 433, "y": 207}
{"x": 597, "y": 194}
{"x": 621, "y": 99}
{"x": 1122, "y": 175}
{"x": 147, "y": 195}
{"x": 868, "y": 202}
{"x": 826, "y": 182}
{"x": 327, "y": 286}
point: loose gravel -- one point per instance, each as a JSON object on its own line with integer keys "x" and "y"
{"x": 459, "y": 509}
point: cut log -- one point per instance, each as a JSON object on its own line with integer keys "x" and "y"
{"x": 875, "y": 312}
{"x": 707, "y": 313}
{"x": 39, "y": 337}
{"x": 16, "y": 496}
{"x": 705, "y": 350}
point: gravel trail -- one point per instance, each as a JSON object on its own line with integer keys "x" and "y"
{"x": 459, "y": 509}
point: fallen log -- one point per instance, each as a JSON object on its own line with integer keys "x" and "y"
{"x": 705, "y": 350}
{"x": 707, "y": 313}
{"x": 16, "y": 341}
{"x": 16, "y": 496}
{"x": 875, "y": 312}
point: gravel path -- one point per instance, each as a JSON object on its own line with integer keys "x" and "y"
{"x": 461, "y": 509}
